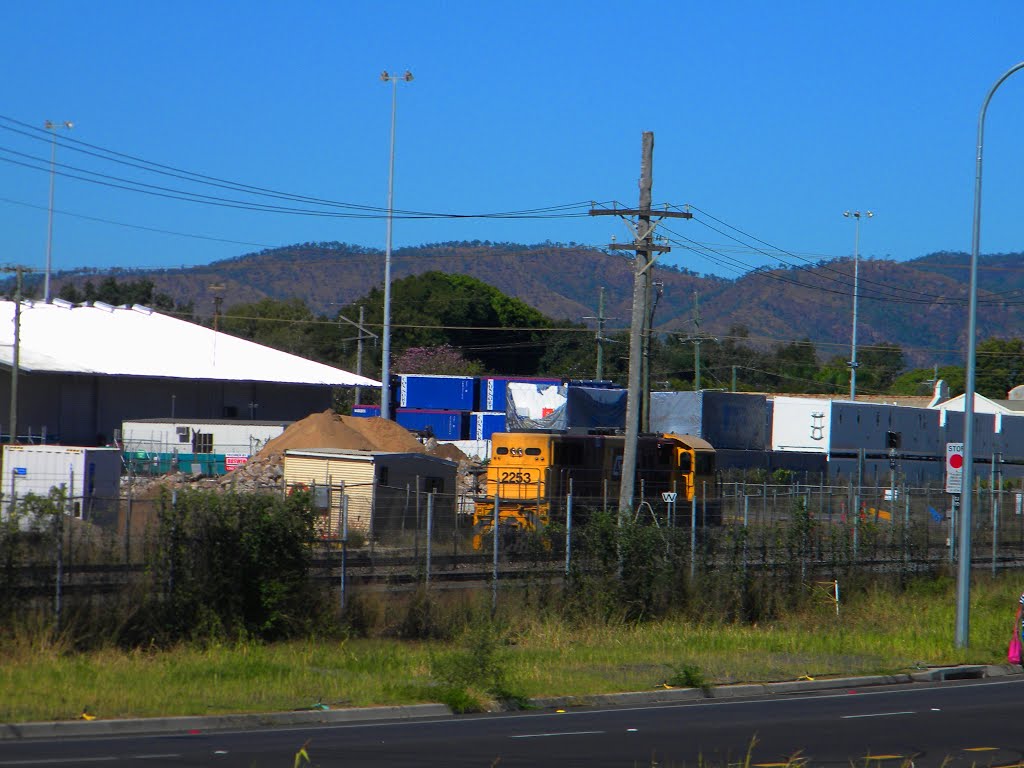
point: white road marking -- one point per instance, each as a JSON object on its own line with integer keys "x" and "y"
{"x": 97, "y": 759}
{"x": 157, "y": 757}
{"x": 545, "y": 735}
{"x": 59, "y": 760}
{"x": 878, "y": 714}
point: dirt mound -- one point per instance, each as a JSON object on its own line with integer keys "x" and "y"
{"x": 449, "y": 451}
{"x": 332, "y": 430}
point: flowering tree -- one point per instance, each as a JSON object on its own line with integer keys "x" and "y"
{"x": 444, "y": 360}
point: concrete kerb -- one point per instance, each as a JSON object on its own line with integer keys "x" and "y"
{"x": 669, "y": 695}
{"x": 82, "y": 728}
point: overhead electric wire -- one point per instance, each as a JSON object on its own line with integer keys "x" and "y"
{"x": 41, "y": 134}
{"x": 134, "y": 226}
{"x": 929, "y": 298}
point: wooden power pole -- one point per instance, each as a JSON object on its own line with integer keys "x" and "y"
{"x": 643, "y": 231}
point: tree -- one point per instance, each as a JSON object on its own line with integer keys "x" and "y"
{"x": 110, "y": 291}
{"x": 287, "y": 325}
{"x": 999, "y": 367}
{"x": 442, "y": 360}
{"x": 503, "y": 334}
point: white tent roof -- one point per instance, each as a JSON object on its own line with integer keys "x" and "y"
{"x": 136, "y": 341}
{"x": 981, "y": 405}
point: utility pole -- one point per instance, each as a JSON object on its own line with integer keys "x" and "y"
{"x": 697, "y": 338}
{"x": 16, "y": 355}
{"x": 599, "y": 336}
{"x": 218, "y": 300}
{"x": 363, "y": 334}
{"x": 643, "y": 232}
{"x": 696, "y": 342}
{"x": 655, "y": 289}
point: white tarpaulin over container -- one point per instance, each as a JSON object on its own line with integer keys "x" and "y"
{"x": 136, "y": 341}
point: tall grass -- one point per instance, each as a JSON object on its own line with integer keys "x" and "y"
{"x": 522, "y": 651}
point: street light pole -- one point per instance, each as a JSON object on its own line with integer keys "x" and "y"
{"x": 963, "y": 576}
{"x": 385, "y": 363}
{"x": 856, "y": 281}
{"x": 52, "y": 128}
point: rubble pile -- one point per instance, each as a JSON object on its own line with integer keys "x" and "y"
{"x": 265, "y": 470}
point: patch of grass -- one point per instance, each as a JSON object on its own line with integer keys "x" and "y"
{"x": 688, "y": 676}
{"x": 522, "y": 653}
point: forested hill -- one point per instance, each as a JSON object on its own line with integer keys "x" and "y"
{"x": 918, "y": 305}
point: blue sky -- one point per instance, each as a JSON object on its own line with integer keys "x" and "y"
{"x": 773, "y": 118}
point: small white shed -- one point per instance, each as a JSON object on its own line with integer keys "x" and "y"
{"x": 387, "y": 492}
{"x": 91, "y": 477}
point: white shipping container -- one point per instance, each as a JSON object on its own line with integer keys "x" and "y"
{"x": 801, "y": 424}
{"x": 199, "y": 435}
{"x": 92, "y": 477}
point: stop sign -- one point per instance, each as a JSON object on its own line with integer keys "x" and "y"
{"x": 954, "y": 467}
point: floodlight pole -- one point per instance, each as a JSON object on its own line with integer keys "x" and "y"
{"x": 856, "y": 285}
{"x": 52, "y": 128}
{"x": 385, "y": 363}
{"x": 963, "y": 576}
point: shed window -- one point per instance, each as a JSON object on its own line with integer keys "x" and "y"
{"x": 202, "y": 442}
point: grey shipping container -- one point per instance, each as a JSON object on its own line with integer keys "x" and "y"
{"x": 733, "y": 420}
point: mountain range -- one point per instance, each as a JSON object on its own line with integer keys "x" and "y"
{"x": 919, "y": 305}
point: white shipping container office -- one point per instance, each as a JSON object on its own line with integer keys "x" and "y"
{"x": 92, "y": 477}
{"x": 386, "y": 491}
{"x": 231, "y": 437}
{"x": 842, "y": 428}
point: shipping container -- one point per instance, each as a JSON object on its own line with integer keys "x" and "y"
{"x": 445, "y": 393}
{"x": 731, "y": 420}
{"x": 544, "y": 407}
{"x": 483, "y": 424}
{"x": 493, "y": 390}
{"x": 366, "y": 411}
{"x": 91, "y": 477}
{"x": 444, "y": 425}
{"x": 199, "y": 436}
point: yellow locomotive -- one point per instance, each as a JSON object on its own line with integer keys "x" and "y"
{"x": 530, "y": 474}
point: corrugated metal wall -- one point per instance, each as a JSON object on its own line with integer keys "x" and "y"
{"x": 356, "y": 473}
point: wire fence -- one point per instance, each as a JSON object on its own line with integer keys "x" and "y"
{"x": 383, "y": 537}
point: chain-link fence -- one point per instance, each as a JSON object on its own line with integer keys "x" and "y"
{"x": 388, "y": 537}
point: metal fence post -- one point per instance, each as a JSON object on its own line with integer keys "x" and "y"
{"x": 693, "y": 535}
{"x": 430, "y": 526}
{"x": 59, "y": 586}
{"x": 344, "y": 544}
{"x": 995, "y": 515}
{"x": 494, "y": 571}
{"x": 568, "y": 532}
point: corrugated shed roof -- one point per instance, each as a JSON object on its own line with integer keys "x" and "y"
{"x": 136, "y": 341}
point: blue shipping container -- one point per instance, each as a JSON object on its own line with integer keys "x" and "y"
{"x": 366, "y": 411}
{"x": 445, "y": 425}
{"x": 493, "y": 389}
{"x": 449, "y": 393}
{"x": 483, "y": 424}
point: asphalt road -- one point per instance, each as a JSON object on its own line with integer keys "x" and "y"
{"x": 952, "y": 724}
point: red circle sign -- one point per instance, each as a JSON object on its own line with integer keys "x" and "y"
{"x": 956, "y": 460}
